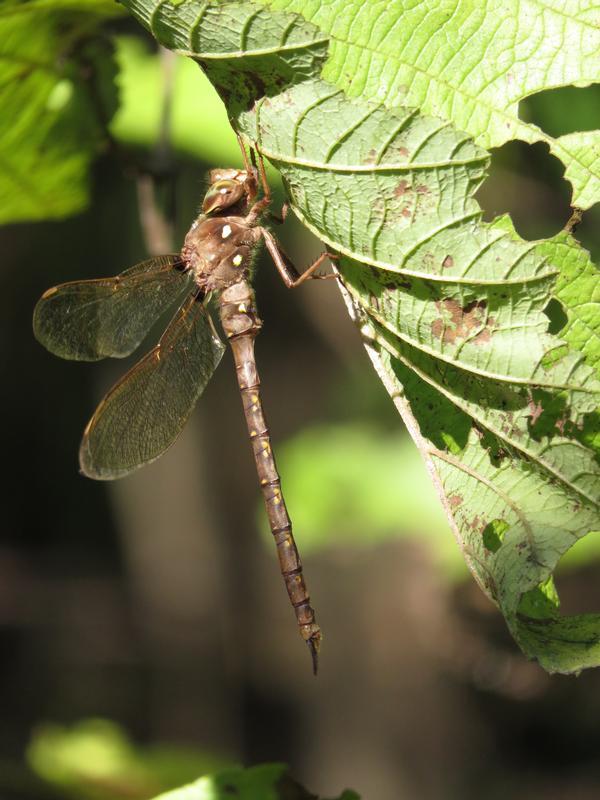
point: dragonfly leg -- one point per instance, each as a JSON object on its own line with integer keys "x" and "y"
{"x": 263, "y": 175}
{"x": 282, "y": 216}
{"x": 289, "y": 274}
{"x": 258, "y": 165}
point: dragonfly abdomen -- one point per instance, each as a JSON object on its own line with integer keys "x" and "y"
{"x": 241, "y": 325}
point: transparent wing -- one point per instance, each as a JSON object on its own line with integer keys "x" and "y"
{"x": 144, "y": 412}
{"x": 90, "y": 320}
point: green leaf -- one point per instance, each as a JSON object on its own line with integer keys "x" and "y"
{"x": 578, "y": 289}
{"x": 57, "y": 93}
{"x": 264, "y": 782}
{"x": 470, "y": 63}
{"x": 460, "y": 317}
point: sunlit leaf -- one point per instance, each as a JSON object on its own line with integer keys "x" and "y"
{"x": 470, "y": 63}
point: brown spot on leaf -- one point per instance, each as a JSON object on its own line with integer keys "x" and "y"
{"x": 428, "y": 261}
{"x": 437, "y": 328}
{"x": 508, "y": 427}
{"x": 401, "y": 189}
{"x": 455, "y": 500}
{"x": 422, "y": 189}
{"x": 535, "y": 409}
{"x": 463, "y": 322}
{"x": 447, "y": 262}
{"x": 477, "y": 524}
{"x": 372, "y": 156}
{"x": 484, "y": 336}
{"x": 406, "y": 212}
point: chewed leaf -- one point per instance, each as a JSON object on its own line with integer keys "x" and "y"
{"x": 469, "y": 64}
{"x": 377, "y": 117}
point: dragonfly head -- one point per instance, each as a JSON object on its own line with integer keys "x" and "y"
{"x": 227, "y": 188}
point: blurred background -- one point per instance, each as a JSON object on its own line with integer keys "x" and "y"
{"x": 145, "y": 632}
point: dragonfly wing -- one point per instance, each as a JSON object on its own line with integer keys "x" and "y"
{"x": 142, "y": 415}
{"x": 90, "y": 320}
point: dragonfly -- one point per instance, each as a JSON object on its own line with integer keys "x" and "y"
{"x": 144, "y": 412}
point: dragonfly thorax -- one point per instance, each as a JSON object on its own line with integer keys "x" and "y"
{"x": 218, "y": 250}
{"x": 218, "y": 247}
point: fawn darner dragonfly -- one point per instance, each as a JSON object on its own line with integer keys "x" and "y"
{"x": 144, "y": 412}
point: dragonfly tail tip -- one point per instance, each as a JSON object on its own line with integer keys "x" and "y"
{"x": 313, "y": 645}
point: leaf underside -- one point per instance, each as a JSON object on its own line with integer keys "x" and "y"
{"x": 454, "y": 312}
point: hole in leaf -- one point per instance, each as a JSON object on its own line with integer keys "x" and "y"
{"x": 527, "y": 182}
{"x": 557, "y": 316}
{"x": 542, "y": 602}
{"x": 576, "y": 577}
{"x": 493, "y": 534}
{"x": 564, "y": 110}
{"x": 588, "y": 232}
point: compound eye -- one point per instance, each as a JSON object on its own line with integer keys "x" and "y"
{"x": 224, "y": 187}
{"x": 222, "y": 194}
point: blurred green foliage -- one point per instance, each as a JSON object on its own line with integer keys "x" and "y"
{"x": 57, "y": 79}
{"x": 264, "y": 782}
{"x": 358, "y": 485}
{"x": 365, "y": 486}
{"x": 95, "y": 760}
{"x": 197, "y": 124}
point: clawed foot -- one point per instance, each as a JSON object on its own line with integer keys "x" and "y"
{"x": 282, "y": 216}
